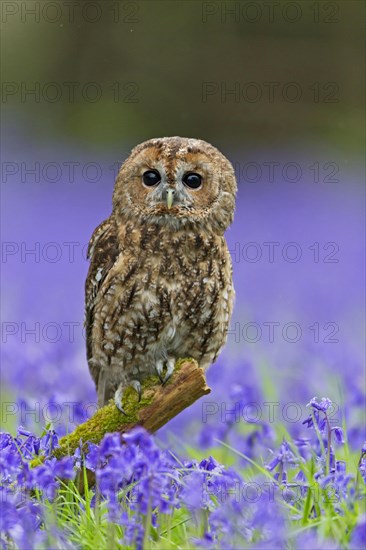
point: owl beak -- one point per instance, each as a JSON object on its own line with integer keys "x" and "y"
{"x": 169, "y": 198}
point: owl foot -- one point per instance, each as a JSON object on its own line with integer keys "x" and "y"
{"x": 118, "y": 396}
{"x": 168, "y": 367}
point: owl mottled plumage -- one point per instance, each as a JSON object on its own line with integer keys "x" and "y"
{"x": 159, "y": 286}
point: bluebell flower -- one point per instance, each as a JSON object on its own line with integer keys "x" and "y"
{"x": 338, "y": 432}
{"x": 284, "y": 457}
{"x": 358, "y": 537}
{"x": 323, "y": 406}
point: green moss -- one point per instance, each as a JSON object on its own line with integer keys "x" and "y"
{"x": 106, "y": 420}
{"x": 179, "y": 363}
{"x": 109, "y": 419}
{"x": 37, "y": 461}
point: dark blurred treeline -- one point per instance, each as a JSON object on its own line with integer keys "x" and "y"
{"x": 243, "y": 72}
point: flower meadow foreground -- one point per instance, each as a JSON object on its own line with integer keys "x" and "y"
{"x": 129, "y": 491}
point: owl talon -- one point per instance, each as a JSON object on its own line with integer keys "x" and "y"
{"x": 167, "y": 377}
{"x": 169, "y": 370}
{"x": 119, "y": 407}
{"x": 118, "y": 399}
{"x": 160, "y": 368}
{"x": 118, "y": 396}
{"x": 135, "y": 384}
{"x": 159, "y": 371}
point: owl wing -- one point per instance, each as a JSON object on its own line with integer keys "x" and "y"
{"x": 103, "y": 251}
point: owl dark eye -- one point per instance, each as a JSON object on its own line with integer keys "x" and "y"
{"x": 192, "y": 180}
{"x": 151, "y": 177}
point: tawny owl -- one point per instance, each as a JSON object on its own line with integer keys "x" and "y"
{"x": 159, "y": 285}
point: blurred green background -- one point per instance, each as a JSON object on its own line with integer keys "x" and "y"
{"x": 140, "y": 69}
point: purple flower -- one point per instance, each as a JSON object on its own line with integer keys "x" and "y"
{"x": 309, "y": 540}
{"x": 133, "y": 470}
{"x": 338, "y": 484}
{"x": 22, "y": 431}
{"x": 358, "y": 538}
{"x": 300, "y": 476}
{"x": 318, "y": 414}
{"x": 362, "y": 468}
{"x": 338, "y": 432}
{"x": 49, "y": 441}
{"x": 322, "y": 406}
{"x": 284, "y": 457}
{"x": 205, "y": 480}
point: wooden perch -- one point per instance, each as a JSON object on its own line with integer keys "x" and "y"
{"x": 158, "y": 405}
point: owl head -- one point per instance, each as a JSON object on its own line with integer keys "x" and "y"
{"x": 176, "y": 181}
